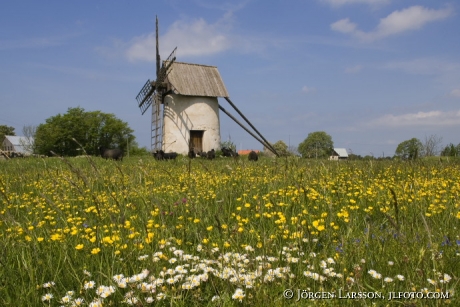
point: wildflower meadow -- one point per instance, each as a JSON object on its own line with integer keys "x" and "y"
{"x": 277, "y": 232}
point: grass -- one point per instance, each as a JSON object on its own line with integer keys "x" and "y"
{"x": 90, "y": 232}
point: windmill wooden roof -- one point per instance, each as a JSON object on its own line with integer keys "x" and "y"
{"x": 196, "y": 80}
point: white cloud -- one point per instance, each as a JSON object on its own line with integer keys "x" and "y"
{"x": 338, "y": 3}
{"x": 409, "y": 19}
{"x": 432, "y": 118}
{"x": 353, "y": 69}
{"x": 455, "y": 93}
{"x": 412, "y": 18}
{"x": 195, "y": 38}
{"x": 307, "y": 89}
{"x": 344, "y": 26}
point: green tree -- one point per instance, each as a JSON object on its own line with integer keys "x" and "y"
{"x": 135, "y": 150}
{"x": 410, "y": 149}
{"x": 451, "y": 150}
{"x": 5, "y": 130}
{"x": 317, "y": 145}
{"x": 90, "y": 129}
{"x": 281, "y": 148}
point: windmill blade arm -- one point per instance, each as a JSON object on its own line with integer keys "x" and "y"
{"x": 147, "y": 103}
{"x": 144, "y": 99}
{"x": 172, "y": 56}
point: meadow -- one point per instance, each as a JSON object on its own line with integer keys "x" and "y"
{"x": 278, "y": 232}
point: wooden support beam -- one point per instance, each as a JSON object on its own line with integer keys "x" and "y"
{"x": 268, "y": 145}
{"x": 248, "y": 131}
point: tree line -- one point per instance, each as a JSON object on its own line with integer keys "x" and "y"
{"x": 79, "y": 131}
{"x": 319, "y": 145}
{"x": 431, "y": 146}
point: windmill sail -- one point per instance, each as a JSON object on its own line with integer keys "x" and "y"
{"x": 144, "y": 98}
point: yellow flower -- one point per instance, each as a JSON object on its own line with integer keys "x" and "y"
{"x": 79, "y": 246}
{"x": 107, "y": 240}
{"x": 205, "y": 241}
{"x": 57, "y": 237}
{"x": 95, "y": 250}
{"x": 209, "y": 228}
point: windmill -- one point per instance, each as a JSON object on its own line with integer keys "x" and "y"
{"x": 185, "y": 109}
{"x": 152, "y": 93}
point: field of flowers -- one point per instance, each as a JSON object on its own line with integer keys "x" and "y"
{"x": 278, "y": 232}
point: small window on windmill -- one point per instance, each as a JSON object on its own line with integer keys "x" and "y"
{"x": 196, "y": 140}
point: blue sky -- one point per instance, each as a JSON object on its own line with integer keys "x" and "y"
{"x": 371, "y": 73}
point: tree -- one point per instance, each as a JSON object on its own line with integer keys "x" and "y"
{"x": 5, "y": 130}
{"x": 280, "y": 147}
{"x": 28, "y": 140}
{"x": 451, "y": 150}
{"x": 135, "y": 150}
{"x": 90, "y": 129}
{"x": 317, "y": 145}
{"x": 431, "y": 145}
{"x": 410, "y": 149}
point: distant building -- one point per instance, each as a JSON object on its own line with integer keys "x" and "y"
{"x": 19, "y": 144}
{"x": 339, "y": 154}
{"x": 247, "y": 151}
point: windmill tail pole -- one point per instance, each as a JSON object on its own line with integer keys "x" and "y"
{"x": 268, "y": 145}
{"x": 157, "y": 47}
{"x": 248, "y": 131}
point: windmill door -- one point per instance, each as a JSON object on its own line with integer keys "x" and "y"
{"x": 196, "y": 140}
